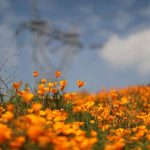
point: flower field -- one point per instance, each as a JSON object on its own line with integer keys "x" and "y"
{"x": 48, "y": 118}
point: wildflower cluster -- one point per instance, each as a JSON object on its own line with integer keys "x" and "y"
{"x": 48, "y": 118}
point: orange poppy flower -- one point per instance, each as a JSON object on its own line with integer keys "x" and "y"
{"x": 16, "y": 85}
{"x": 5, "y": 133}
{"x": 34, "y": 132}
{"x": 63, "y": 84}
{"x": 41, "y": 89}
{"x": 43, "y": 141}
{"x": 80, "y": 83}
{"x": 10, "y": 107}
{"x": 35, "y": 73}
{"x": 57, "y": 74}
{"x": 43, "y": 81}
{"x": 17, "y": 143}
{"x": 27, "y": 96}
{"x": 8, "y": 115}
{"x": 36, "y": 107}
{"x": 54, "y": 90}
{"x": 50, "y": 84}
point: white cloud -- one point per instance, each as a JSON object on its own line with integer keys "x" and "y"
{"x": 131, "y": 51}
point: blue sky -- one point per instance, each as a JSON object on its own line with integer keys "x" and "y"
{"x": 121, "y": 26}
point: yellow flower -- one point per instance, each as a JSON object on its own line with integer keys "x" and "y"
{"x": 92, "y": 121}
{"x": 124, "y": 100}
{"x": 113, "y": 94}
{"x": 50, "y": 84}
{"x": 70, "y": 95}
{"x": 63, "y": 84}
{"x": 41, "y": 89}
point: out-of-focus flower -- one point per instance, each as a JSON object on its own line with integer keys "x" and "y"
{"x": 5, "y": 133}
{"x": 36, "y": 107}
{"x": 124, "y": 100}
{"x": 41, "y": 89}
{"x": 63, "y": 84}
{"x": 43, "y": 141}
{"x": 54, "y": 90}
{"x": 27, "y": 96}
{"x": 113, "y": 94}
{"x": 34, "y": 132}
{"x": 10, "y": 107}
{"x": 50, "y": 84}
{"x": 55, "y": 84}
{"x": 92, "y": 121}
{"x": 93, "y": 133}
{"x": 70, "y": 95}
{"x": 57, "y": 74}
{"x": 35, "y": 73}
{"x": 43, "y": 81}
{"x": 7, "y": 116}
{"x": 80, "y": 83}
{"x": 17, "y": 85}
{"x": 17, "y": 143}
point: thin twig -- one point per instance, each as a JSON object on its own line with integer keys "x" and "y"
{"x": 4, "y": 84}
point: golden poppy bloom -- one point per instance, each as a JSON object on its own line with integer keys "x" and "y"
{"x": 35, "y": 74}
{"x": 27, "y": 96}
{"x": 63, "y": 84}
{"x": 36, "y": 107}
{"x": 70, "y": 95}
{"x": 54, "y": 84}
{"x": 8, "y": 115}
{"x": 80, "y": 83}
{"x": 50, "y": 84}
{"x": 124, "y": 100}
{"x": 5, "y": 133}
{"x": 10, "y": 107}
{"x": 57, "y": 74}
{"x": 34, "y": 132}
{"x": 17, "y": 143}
{"x": 41, "y": 89}
{"x": 43, "y": 141}
{"x": 54, "y": 90}
{"x": 113, "y": 94}
{"x": 93, "y": 133}
{"x": 43, "y": 81}
{"x": 16, "y": 85}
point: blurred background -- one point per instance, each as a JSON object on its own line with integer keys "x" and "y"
{"x": 105, "y": 43}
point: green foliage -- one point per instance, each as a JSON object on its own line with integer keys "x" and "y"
{"x": 79, "y": 116}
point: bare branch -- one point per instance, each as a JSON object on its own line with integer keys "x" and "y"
{"x": 4, "y": 84}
